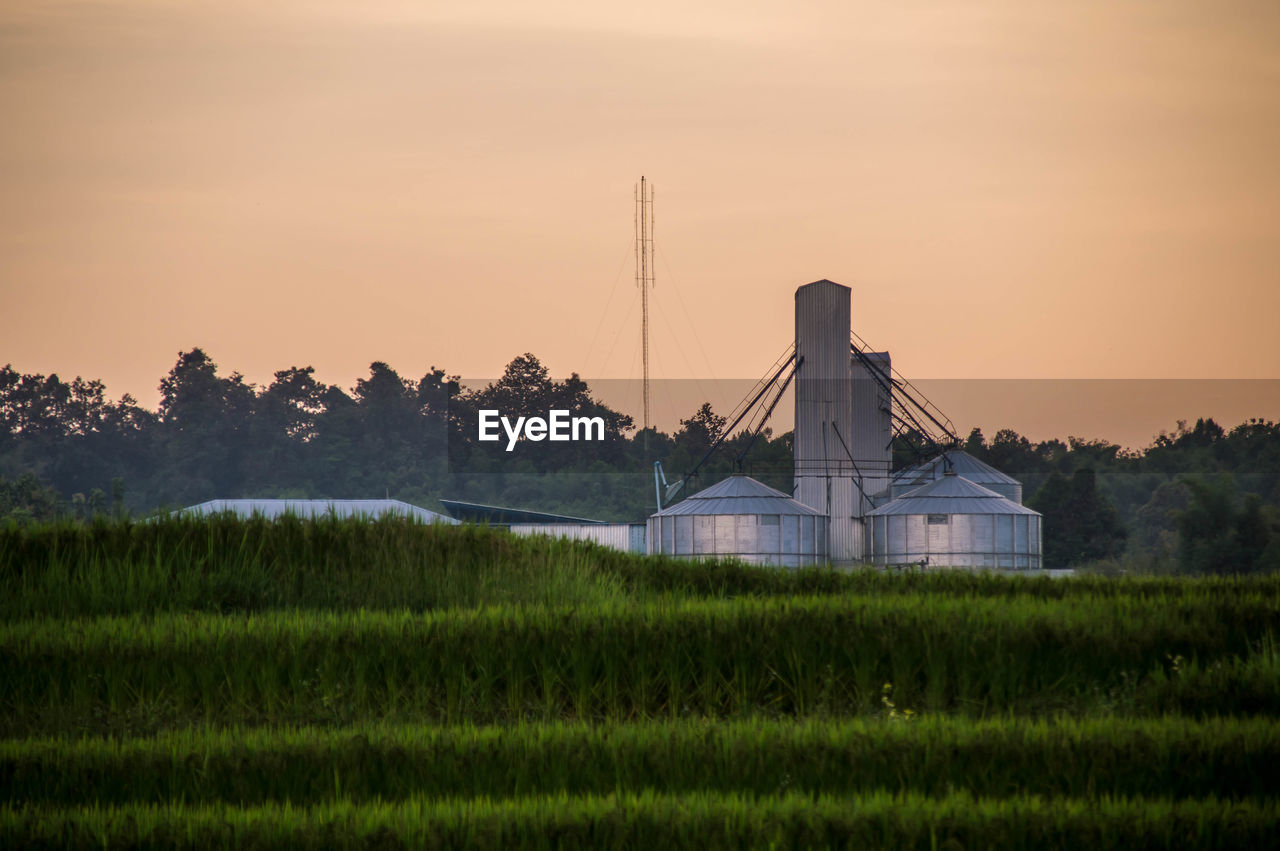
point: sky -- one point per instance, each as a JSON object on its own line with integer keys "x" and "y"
{"x": 1013, "y": 189}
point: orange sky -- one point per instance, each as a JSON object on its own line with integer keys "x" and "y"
{"x": 1012, "y": 188}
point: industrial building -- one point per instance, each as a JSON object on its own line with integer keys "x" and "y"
{"x": 949, "y": 509}
{"x": 628, "y": 537}
{"x": 272, "y": 509}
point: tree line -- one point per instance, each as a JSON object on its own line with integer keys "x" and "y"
{"x": 1199, "y": 498}
{"x": 65, "y": 448}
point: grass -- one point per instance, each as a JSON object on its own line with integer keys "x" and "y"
{"x": 654, "y": 820}
{"x": 789, "y": 657}
{"x": 930, "y": 755}
{"x": 212, "y": 682}
{"x": 226, "y": 565}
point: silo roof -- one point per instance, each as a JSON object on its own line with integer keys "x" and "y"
{"x": 951, "y": 495}
{"x": 739, "y": 495}
{"x": 273, "y": 508}
{"x": 962, "y": 463}
{"x": 499, "y": 515}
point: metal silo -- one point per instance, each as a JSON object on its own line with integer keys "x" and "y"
{"x": 963, "y": 465}
{"x": 824, "y": 469}
{"x": 871, "y": 442}
{"x": 953, "y": 522}
{"x": 744, "y": 519}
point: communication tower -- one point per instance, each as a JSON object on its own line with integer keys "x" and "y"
{"x": 644, "y": 277}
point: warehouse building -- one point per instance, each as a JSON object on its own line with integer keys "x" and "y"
{"x": 272, "y": 509}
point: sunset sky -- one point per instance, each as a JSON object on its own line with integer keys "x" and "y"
{"x": 1012, "y": 188}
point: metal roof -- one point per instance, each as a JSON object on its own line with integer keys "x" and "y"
{"x": 273, "y": 508}
{"x": 952, "y": 494}
{"x": 738, "y": 494}
{"x": 962, "y": 463}
{"x": 475, "y": 512}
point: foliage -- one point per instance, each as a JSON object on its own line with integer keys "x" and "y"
{"x": 1219, "y": 536}
{"x": 217, "y": 436}
{"x": 1080, "y": 525}
{"x": 1146, "y": 489}
{"x": 25, "y": 500}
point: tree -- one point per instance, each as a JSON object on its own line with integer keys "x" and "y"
{"x": 574, "y": 395}
{"x": 278, "y": 450}
{"x": 1157, "y": 519}
{"x": 1203, "y": 434}
{"x": 1012, "y": 453}
{"x": 205, "y": 437}
{"x": 436, "y": 391}
{"x": 976, "y": 444}
{"x": 699, "y": 431}
{"x": 1080, "y": 525}
{"x": 525, "y": 388}
{"x": 221, "y": 436}
{"x": 191, "y": 393}
{"x": 26, "y": 500}
{"x": 389, "y": 407}
{"x": 35, "y": 406}
{"x": 292, "y": 403}
{"x": 1095, "y": 451}
{"x": 1217, "y": 536}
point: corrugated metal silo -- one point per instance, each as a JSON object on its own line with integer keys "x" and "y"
{"x": 963, "y": 465}
{"x": 953, "y": 522}
{"x": 744, "y": 519}
{"x": 871, "y": 443}
{"x": 824, "y": 416}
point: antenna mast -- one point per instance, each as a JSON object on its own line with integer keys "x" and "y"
{"x": 644, "y": 277}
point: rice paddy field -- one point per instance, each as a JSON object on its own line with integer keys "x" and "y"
{"x": 216, "y": 683}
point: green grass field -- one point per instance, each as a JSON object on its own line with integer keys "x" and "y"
{"x": 221, "y": 683}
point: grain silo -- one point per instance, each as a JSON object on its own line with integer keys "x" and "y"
{"x": 963, "y": 465}
{"x": 871, "y": 443}
{"x": 744, "y": 519}
{"x": 824, "y": 422}
{"x": 953, "y": 522}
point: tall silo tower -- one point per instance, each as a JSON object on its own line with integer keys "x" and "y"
{"x": 823, "y": 437}
{"x": 872, "y": 443}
